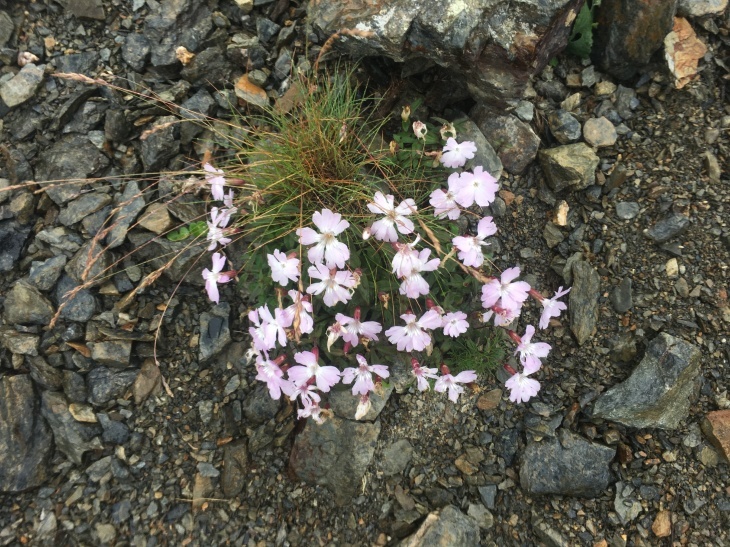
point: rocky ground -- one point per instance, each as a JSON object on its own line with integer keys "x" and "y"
{"x": 626, "y": 444}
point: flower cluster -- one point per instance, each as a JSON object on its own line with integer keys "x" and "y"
{"x": 332, "y": 281}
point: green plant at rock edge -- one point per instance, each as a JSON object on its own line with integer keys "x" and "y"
{"x": 580, "y": 42}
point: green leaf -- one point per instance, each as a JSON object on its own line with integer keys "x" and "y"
{"x": 198, "y": 228}
{"x": 179, "y": 235}
{"x": 581, "y": 36}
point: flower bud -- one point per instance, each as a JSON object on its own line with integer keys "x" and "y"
{"x": 405, "y": 113}
{"x": 448, "y": 130}
{"x": 420, "y": 130}
{"x": 363, "y": 407}
{"x": 393, "y": 147}
{"x": 366, "y": 233}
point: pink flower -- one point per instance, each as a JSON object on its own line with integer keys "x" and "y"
{"x": 444, "y": 204}
{"x": 306, "y": 393}
{"x": 421, "y": 374}
{"x": 455, "y": 323}
{"x": 326, "y": 246}
{"x": 551, "y": 307}
{"x": 406, "y": 258}
{"x": 415, "y": 285}
{"x": 470, "y": 248}
{"x": 353, "y": 328}
{"x": 215, "y": 276}
{"x": 303, "y": 307}
{"x": 216, "y": 180}
{"x": 521, "y": 387}
{"x": 447, "y": 381}
{"x": 363, "y": 376}
{"x": 479, "y": 186}
{"x": 216, "y": 232}
{"x": 267, "y": 329}
{"x": 511, "y": 295}
{"x": 412, "y": 336}
{"x": 395, "y": 217}
{"x": 455, "y": 154}
{"x": 313, "y": 411}
{"x": 324, "y": 377}
{"x": 420, "y": 130}
{"x": 334, "y": 284}
{"x": 283, "y": 269}
{"x": 502, "y": 316}
{"x": 269, "y": 372}
{"x": 531, "y": 352}
{"x": 229, "y": 210}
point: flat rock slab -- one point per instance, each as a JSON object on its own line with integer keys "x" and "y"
{"x": 659, "y": 391}
{"x": 26, "y": 442}
{"x": 447, "y": 527}
{"x": 583, "y": 301}
{"x": 568, "y": 465}
{"x": 335, "y": 454}
{"x": 570, "y": 166}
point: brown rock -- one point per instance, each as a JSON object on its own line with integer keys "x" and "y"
{"x": 148, "y": 381}
{"x": 662, "y": 526}
{"x": 513, "y": 140}
{"x": 463, "y": 464}
{"x": 716, "y": 426}
{"x": 156, "y": 218}
{"x": 490, "y": 400}
{"x": 250, "y": 93}
{"x": 683, "y": 51}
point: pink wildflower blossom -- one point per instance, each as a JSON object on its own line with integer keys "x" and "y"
{"x": 267, "y": 328}
{"x": 470, "y": 248}
{"x": 363, "y": 376}
{"x": 283, "y": 268}
{"x": 455, "y": 153}
{"x": 413, "y": 335}
{"x": 447, "y": 381}
{"x": 314, "y": 411}
{"x": 216, "y": 229}
{"x": 269, "y": 372}
{"x": 551, "y": 307}
{"x": 353, "y": 328}
{"x": 414, "y": 285}
{"x": 303, "y": 307}
{"x": 326, "y": 248}
{"x": 324, "y": 377}
{"x": 479, "y": 187}
{"x": 521, "y": 387}
{"x": 444, "y": 204}
{"x": 511, "y": 295}
{"x": 215, "y": 276}
{"x": 406, "y": 258}
{"x": 455, "y": 323}
{"x": 502, "y": 316}
{"x": 395, "y": 217}
{"x": 216, "y": 180}
{"x": 422, "y": 373}
{"x": 334, "y": 284}
{"x": 531, "y": 352}
{"x": 306, "y": 393}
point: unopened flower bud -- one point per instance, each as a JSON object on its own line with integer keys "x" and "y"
{"x": 393, "y": 148}
{"x": 384, "y": 298}
{"x": 420, "y": 130}
{"x": 448, "y": 130}
{"x": 363, "y": 407}
{"x": 405, "y": 113}
{"x": 445, "y": 369}
{"x": 366, "y": 233}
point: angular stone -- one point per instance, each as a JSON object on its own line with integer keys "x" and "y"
{"x": 478, "y": 41}
{"x": 89, "y": 9}
{"x": 567, "y": 465}
{"x": 174, "y": 23}
{"x": 130, "y": 204}
{"x": 250, "y": 93}
{"x": 75, "y": 303}
{"x": 621, "y": 297}
{"x": 25, "y": 305}
{"x": 344, "y": 403}
{"x": 583, "y": 301}
{"x": 485, "y": 154}
{"x": 12, "y": 240}
{"x": 72, "y": 438}
{"x": 111, "y": 352}
{"x": 335, "y": 454}
{"x": 627, "y": 210}
{"x": 44, "y": 374}
{"x": 564, "y": 127}
{"x": 513, "y": 140}
{"x": 90, "y": 264}
{"x": 599, "y": 132}
{"x": 23, "y": 86}
{"x": 156, "y": 218}
{"x": 396, "y": 457}
{"x": 26, "y": 442}
{"x": 136, "y": 51}
{"x": 214, "y": 332}
{"x": 105, "y": 384}
{"x": 162, "y": 143}
{"x": 148, "y": 381}
{"x": 45, "y": 274}
{"x": 7, "y": 27}
{"x": 628, "y": 32}
{"x": 19, "y": 343}
{"x": 235, "y": 468}
{"x": 445, "y": 527}
{"x": 571, "y": 166}
{"x": 716, "y": 426}
{"x": 669, "y": 227}
{"x": 659, "y": 391}
{"x": 700, "y": 8}
{"x": 83, "y": 206}
{"x": 157, "y": 251}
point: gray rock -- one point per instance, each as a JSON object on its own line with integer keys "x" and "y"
{"x": 626, "y": 102}
{"x": 266, "y": 29}
{"x": 75, "y": 305}
{"x": 26, "y": 442}
{"x": 25, "y": 305}
{"x": 259, "y": 407}
{"x": 627, "y": 506}
{"x": 396, "y": 457}
{"x": 83, "y": 206}
{"x": 335, "y": 454}
{"x": 477, "y": 41}
{"x": 7, "y": 27}
{"x": 669, "y": 227}
{"x": 626, "y": 210}
{"x": 485, "y": 154}
{"x": 116, "y": 125}
{"x": 481, "y": 515}
{"x": 628, "y": 32}
{"x": 70, "y": 157}
{"x": 214, "y": 332}
{"x": 72, "y": 438}
{"x": 599, "y": 132}
{"x": 564, "y": 127}
{"x": 571, "y": 166}
{"x": 99, "y": 469}
{"x": 114, "y": 432}
{"x": 23, "y": 86}
{"x": 44, "y": 374}
{"x": 512, "y": 139}
{"x": 583, "y": 301}
{"x": 89, "y": 9}
{"x": 111, "y": 352}
{"x": 12, "y": 240}
{"x": 567, "y": 465}
{"x": 174, "y": 23}
{"x": 130, "y": 205}
{"x": 659, "y": 391}
{"x": 621, "y": 297}
{"x": 61, "y": 239}
{"x": 157, "y": 251}
{"x": 445, "y": 527}
{"x": 235, "y": 468}
{"x": 45, "y": 274}
{"x": 74, "y": 386}
{"x": 344, "y": 403}
{"x": 136, "y": 51}
{"x": 105, "y": 384}
{"x": 282, "y": 67}
{"x": 488, "y": 494}
{"x": 208, "y": 470}
{"x": 162, "y": 144}
{"x": 81, "y": 63}
{"x": 695, "y": 8}
{"x": 210, "y": 67}
{"x": 19, "y": 343}
{"x": 525, "y": 111}
{"x": 552, "y": 234}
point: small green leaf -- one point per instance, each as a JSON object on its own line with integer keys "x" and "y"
{"x": 198, "y": 228}
{"x": 179, "y": 235}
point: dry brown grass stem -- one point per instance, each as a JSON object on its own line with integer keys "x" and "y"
{"x": 336, "y": 36}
